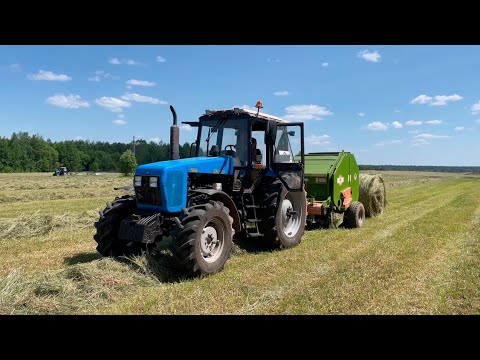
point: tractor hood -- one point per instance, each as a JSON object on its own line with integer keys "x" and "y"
{"x": 173, "y": 179}
{"x": 202, "y": 165}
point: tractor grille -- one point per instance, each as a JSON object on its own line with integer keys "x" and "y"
{"x": 148, "y": 195}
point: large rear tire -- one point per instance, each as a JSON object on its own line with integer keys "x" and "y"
{"x": 284, "y": 215}
{"x": 203, "y": 240}
{"x": 108, "y": 225}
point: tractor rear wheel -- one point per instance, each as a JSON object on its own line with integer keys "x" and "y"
{"x": 354, "y": 216}
{"x": 108, "y": 225}
{"x": 285, "y": 212}
{"x": 203, "y": 240}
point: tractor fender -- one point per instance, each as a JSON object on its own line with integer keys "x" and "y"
{"x": 227, "y": 201}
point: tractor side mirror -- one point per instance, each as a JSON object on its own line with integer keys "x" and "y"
{"x": 271, "y": 133}
{"x": 291, "y": 133}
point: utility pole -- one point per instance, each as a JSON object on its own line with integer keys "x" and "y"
{"x": 134, "y": 145}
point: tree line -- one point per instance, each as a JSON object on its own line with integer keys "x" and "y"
{"x": 31, "y": 153}
{"x": 455, "y": 169}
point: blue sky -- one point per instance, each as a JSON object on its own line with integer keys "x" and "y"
{"x": 388, "y": 104}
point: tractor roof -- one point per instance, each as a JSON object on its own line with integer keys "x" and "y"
{"x": 241, "y": 113}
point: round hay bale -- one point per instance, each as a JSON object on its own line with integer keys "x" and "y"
{"x": 372, "y": 194}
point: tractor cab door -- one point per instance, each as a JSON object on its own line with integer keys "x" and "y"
{"x": 288, "y": 155}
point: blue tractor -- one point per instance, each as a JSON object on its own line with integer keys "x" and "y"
{"x": 232, "y": 186}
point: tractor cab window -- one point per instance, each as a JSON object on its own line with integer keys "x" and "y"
{"x": 258, "y": 147}
{"x": 224, "y": 137}
{"x": 287, "y": 144}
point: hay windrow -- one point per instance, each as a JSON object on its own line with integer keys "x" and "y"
{"x": 38, "y": 224}
{"x": 373, "y": 194}
{"x": 82, "y": 286}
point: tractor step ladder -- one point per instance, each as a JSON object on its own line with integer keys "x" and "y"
{"x": 251, "y": 215}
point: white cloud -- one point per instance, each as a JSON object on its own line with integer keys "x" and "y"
{"x": 437, "y": 100}
{"x": 273, "y": 60}
{"x": 377, "y": 126}
{"x": 413, "y": 123}
{"x": 396, "y": 125}
{"x": 281, "y": 93}
{"x": 396, "y": 111}
{"x": 156, "y": 140}
{"x": 186, "y": 127}
{"x": 413, "y": 131}
{"x": 78, "y": 138}
{"x": 48, "y": 76}
{"x": 419, "y": 142}
{"x": 434, "y": 122}
{"x": 389, "y": 142}
{"x": 443, "y": 99}
{"x": 121, "y": 116}
{"x": 161, "y": 59}
{"x": 117, "y": 61}
{"x": 317, "y": 140}
{"x": 361, "y": 114}
{"x": 373, "y": 56}
{"x": 421, "y": 99}
{"x": 112, "y": 103}
{"x": 325, "y": 64}
{"x": 142, "y": 99}
{"x": 99, "y": 76}
{"x": 14, "y": 67}
{"x": 477, "y": 121}
{"x": 140, "y": 82}
{"x": 475, "y": 108}
{"x": 430, "y": 136}
{"x": 119, "y": 122}
{"x": 69, "y": 102}
{"x": 306, "y": 112}
{"x": 96, "y": 78}
{"x": 382, "y": 126}
{"x": 459, "y": 128}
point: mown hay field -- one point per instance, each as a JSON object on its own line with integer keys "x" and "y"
{"x": 421, "y": 256}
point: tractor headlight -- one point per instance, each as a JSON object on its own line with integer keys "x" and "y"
{"x": 138, "y": 181}
{"x": 153, "y": 181}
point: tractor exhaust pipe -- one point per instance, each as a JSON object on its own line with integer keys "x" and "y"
{"x": 174, "y": 137}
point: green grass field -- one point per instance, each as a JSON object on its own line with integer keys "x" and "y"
{"x": 421, "y": 257}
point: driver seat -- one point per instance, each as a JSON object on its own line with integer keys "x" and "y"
{"x": 231, "y": 153}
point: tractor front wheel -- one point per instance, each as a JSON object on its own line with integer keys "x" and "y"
{"x": 203, "y": 239}
{"x": 108, "y": 225}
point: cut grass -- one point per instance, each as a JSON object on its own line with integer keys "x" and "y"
{"x": 37, "y": 224}
{"x": 80, "y": 288}
{"x": 422, "y": 256}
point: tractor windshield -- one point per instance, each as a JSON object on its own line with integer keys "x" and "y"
{"x": 224, "y": 136}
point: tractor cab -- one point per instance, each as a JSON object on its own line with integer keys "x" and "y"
{"x": 260, "y": 144}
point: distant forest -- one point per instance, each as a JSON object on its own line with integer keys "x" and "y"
{"x": 31, "y": 153}
{"x": 25, "y": 153}
{"x": 455, "y": 169}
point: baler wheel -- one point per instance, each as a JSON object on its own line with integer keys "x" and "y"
{"x": 355, "y": 215}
